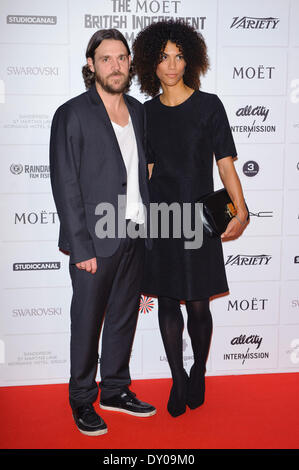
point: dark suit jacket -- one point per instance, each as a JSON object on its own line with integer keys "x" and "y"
{"x": 87, "y": 168}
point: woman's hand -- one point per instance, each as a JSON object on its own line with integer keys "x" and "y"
{"x": 90, "y": 265}
{"x": 235, "y": 228}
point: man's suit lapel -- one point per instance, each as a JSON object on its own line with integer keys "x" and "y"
{"x": 96, "y": 99}
{"x": 137, "y": 129}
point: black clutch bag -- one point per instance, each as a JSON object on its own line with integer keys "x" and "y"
{"x": 218, "y": 211}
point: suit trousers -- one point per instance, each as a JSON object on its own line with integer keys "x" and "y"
{"x": 110, "y": 297}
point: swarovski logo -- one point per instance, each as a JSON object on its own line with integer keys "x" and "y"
{"x": 249, "y": 22}
{"x": 32, "y": 70}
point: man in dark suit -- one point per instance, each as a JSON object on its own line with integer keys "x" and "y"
{"x": 96, "y": 159}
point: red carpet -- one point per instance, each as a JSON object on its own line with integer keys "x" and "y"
{"x": 240, "y": 412}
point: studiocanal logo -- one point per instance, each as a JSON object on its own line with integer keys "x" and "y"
{"x": 37, "y": 266}
{"x": 31, "y": 19}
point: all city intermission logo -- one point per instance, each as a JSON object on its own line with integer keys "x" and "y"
{"x": 243, "y": 339}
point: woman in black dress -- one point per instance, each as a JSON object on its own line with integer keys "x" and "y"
{"x": 185, "y": 129}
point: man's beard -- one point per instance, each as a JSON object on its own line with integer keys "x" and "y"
{"x": 114, "y": 89}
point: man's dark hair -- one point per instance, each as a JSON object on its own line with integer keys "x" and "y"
{"x": 94, "y": 42}
{"x": 149, "y": 45}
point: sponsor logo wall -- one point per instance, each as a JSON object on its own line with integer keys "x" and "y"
{"x": 254, "y": 54}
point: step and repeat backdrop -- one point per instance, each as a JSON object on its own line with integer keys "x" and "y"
{"x": 254, "y": 53}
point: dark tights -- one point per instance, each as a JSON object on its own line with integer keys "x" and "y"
{"x": 199, "y": 325}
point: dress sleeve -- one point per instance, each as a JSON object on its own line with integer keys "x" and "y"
{"x": 222, "y": 138}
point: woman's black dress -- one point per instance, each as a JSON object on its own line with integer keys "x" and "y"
{"x": 181, "y": 142}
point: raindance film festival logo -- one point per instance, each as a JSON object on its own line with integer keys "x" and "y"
{"x": 33, "y": 171}
{"x": 146, "y": 304}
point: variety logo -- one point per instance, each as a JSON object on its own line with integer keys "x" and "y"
{"x": 248, "y": 260}
{"x": 251, "y": 22}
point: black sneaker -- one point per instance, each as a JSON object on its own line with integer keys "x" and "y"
{"x": 126, "y": 402}
{"x": 88, "y": 421}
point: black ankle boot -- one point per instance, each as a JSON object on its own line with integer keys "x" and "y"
{"x": 196, "y": 388}
{"x": 177, "y": 399}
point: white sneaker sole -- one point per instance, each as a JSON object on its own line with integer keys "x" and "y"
{"x": 94, "y": 433}
{"x": 132, "y": 413}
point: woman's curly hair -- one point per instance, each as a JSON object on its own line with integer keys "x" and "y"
{"x": 149, "y": 45}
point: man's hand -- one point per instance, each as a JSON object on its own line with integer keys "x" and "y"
{"x": 89, "y": 265}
